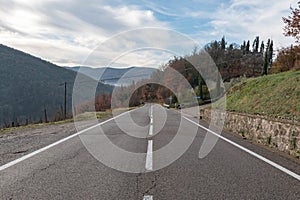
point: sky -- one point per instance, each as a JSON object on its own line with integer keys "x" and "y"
{"x": 68, "y": 32}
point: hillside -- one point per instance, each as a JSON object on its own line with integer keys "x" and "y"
{"x": 28, "y": 83}
{"x": 112, "y": 75}
{"x": 276, "y": 95}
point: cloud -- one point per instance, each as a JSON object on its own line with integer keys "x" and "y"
{"x": 240, "y": 20}
{"x": 132, "y": 16}
{"x": 67, "y": 30}
{"x": 160, "y": 9}
{"x": 130, "y": 46}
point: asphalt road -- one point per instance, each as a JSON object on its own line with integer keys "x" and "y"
{"x": 68, "y": 170}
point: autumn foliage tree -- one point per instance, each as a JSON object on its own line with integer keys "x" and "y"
{"x": 292, "y": 23}
{"x": 289, "y": 58}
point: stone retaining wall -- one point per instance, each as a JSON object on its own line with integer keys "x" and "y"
{"x": 283, "y": 135}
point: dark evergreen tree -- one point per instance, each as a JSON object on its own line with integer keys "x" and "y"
{"x": 215, "y": 45}
{"x": 255, "y": 44}
{"x": 266, "y": 66}
{"x": 262, "y": 47}
{"x": 243, "y": 47}
{"x": 223, "y": 43}
{"x": 270, "y": 53}
{"x": 267, "y": 59}
{"x": 174, "y": 99}
{"x": 248, "y": 47}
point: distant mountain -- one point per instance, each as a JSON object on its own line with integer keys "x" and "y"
{"x": 116, "y": 76}
{"x": 28, "y": 83}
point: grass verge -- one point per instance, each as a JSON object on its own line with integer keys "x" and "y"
{"x": 81, "y": 117}
{"x": 276, "y": 95}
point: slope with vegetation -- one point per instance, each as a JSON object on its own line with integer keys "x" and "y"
{"x": 29, "y": 86}
{"x": 276, "y": 95}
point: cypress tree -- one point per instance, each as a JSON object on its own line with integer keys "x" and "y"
{"x": 255, "y": 45}
{"x": 271, "y": 53}
{"x": 223, "y": 43}
{"x": 243, "y": 47}
{"x": 248, "y": 47}
{"x": 262, "y": 47}
{"x": 265, "y": 68}
{"x": 267, "y": 58}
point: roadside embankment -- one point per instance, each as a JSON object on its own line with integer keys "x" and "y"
{"x": 282, "y": 135}
{"x": 265, "y": 110}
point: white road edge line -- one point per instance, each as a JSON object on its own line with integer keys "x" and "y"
{"x": 149, "y": 158}
{"x": 14, "y": 162}
{"x": 283, "y": 169}
{"x": 148, "y": 197}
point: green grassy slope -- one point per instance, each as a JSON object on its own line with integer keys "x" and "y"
{"x": 276, "y": 95}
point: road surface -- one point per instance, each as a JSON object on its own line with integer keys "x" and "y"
{"x": 66, "y": 170}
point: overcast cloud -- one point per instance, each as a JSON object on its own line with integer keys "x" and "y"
{"x": 66, "y": 32}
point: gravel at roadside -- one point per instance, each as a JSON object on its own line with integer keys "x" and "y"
{"x": 16, "y": 143}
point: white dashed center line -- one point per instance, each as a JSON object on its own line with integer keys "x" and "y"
{"x": 149, "y": 158}
{"x": 148, "y": 197}
{"x": 151, "y": 121}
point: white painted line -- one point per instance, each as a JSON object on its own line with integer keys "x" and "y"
{"x": 189, "y": 115}
{"x": 151, "y": 121}
{"x": 14, "y": 162}
{"x": 283, "y": 169}
{"x": 151, "y": 111}
{"x": 151, "y": 130}
{"x": 182, "y": 113}
{"x": 148, "y": 197}
{"x": 149, "y": 158}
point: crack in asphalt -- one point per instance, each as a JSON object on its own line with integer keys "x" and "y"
{"x": 137, "y": 185}
{"x": 47, "y": 167}
{"x": 147, "y": 191}
{"x": 21, "y": 151}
